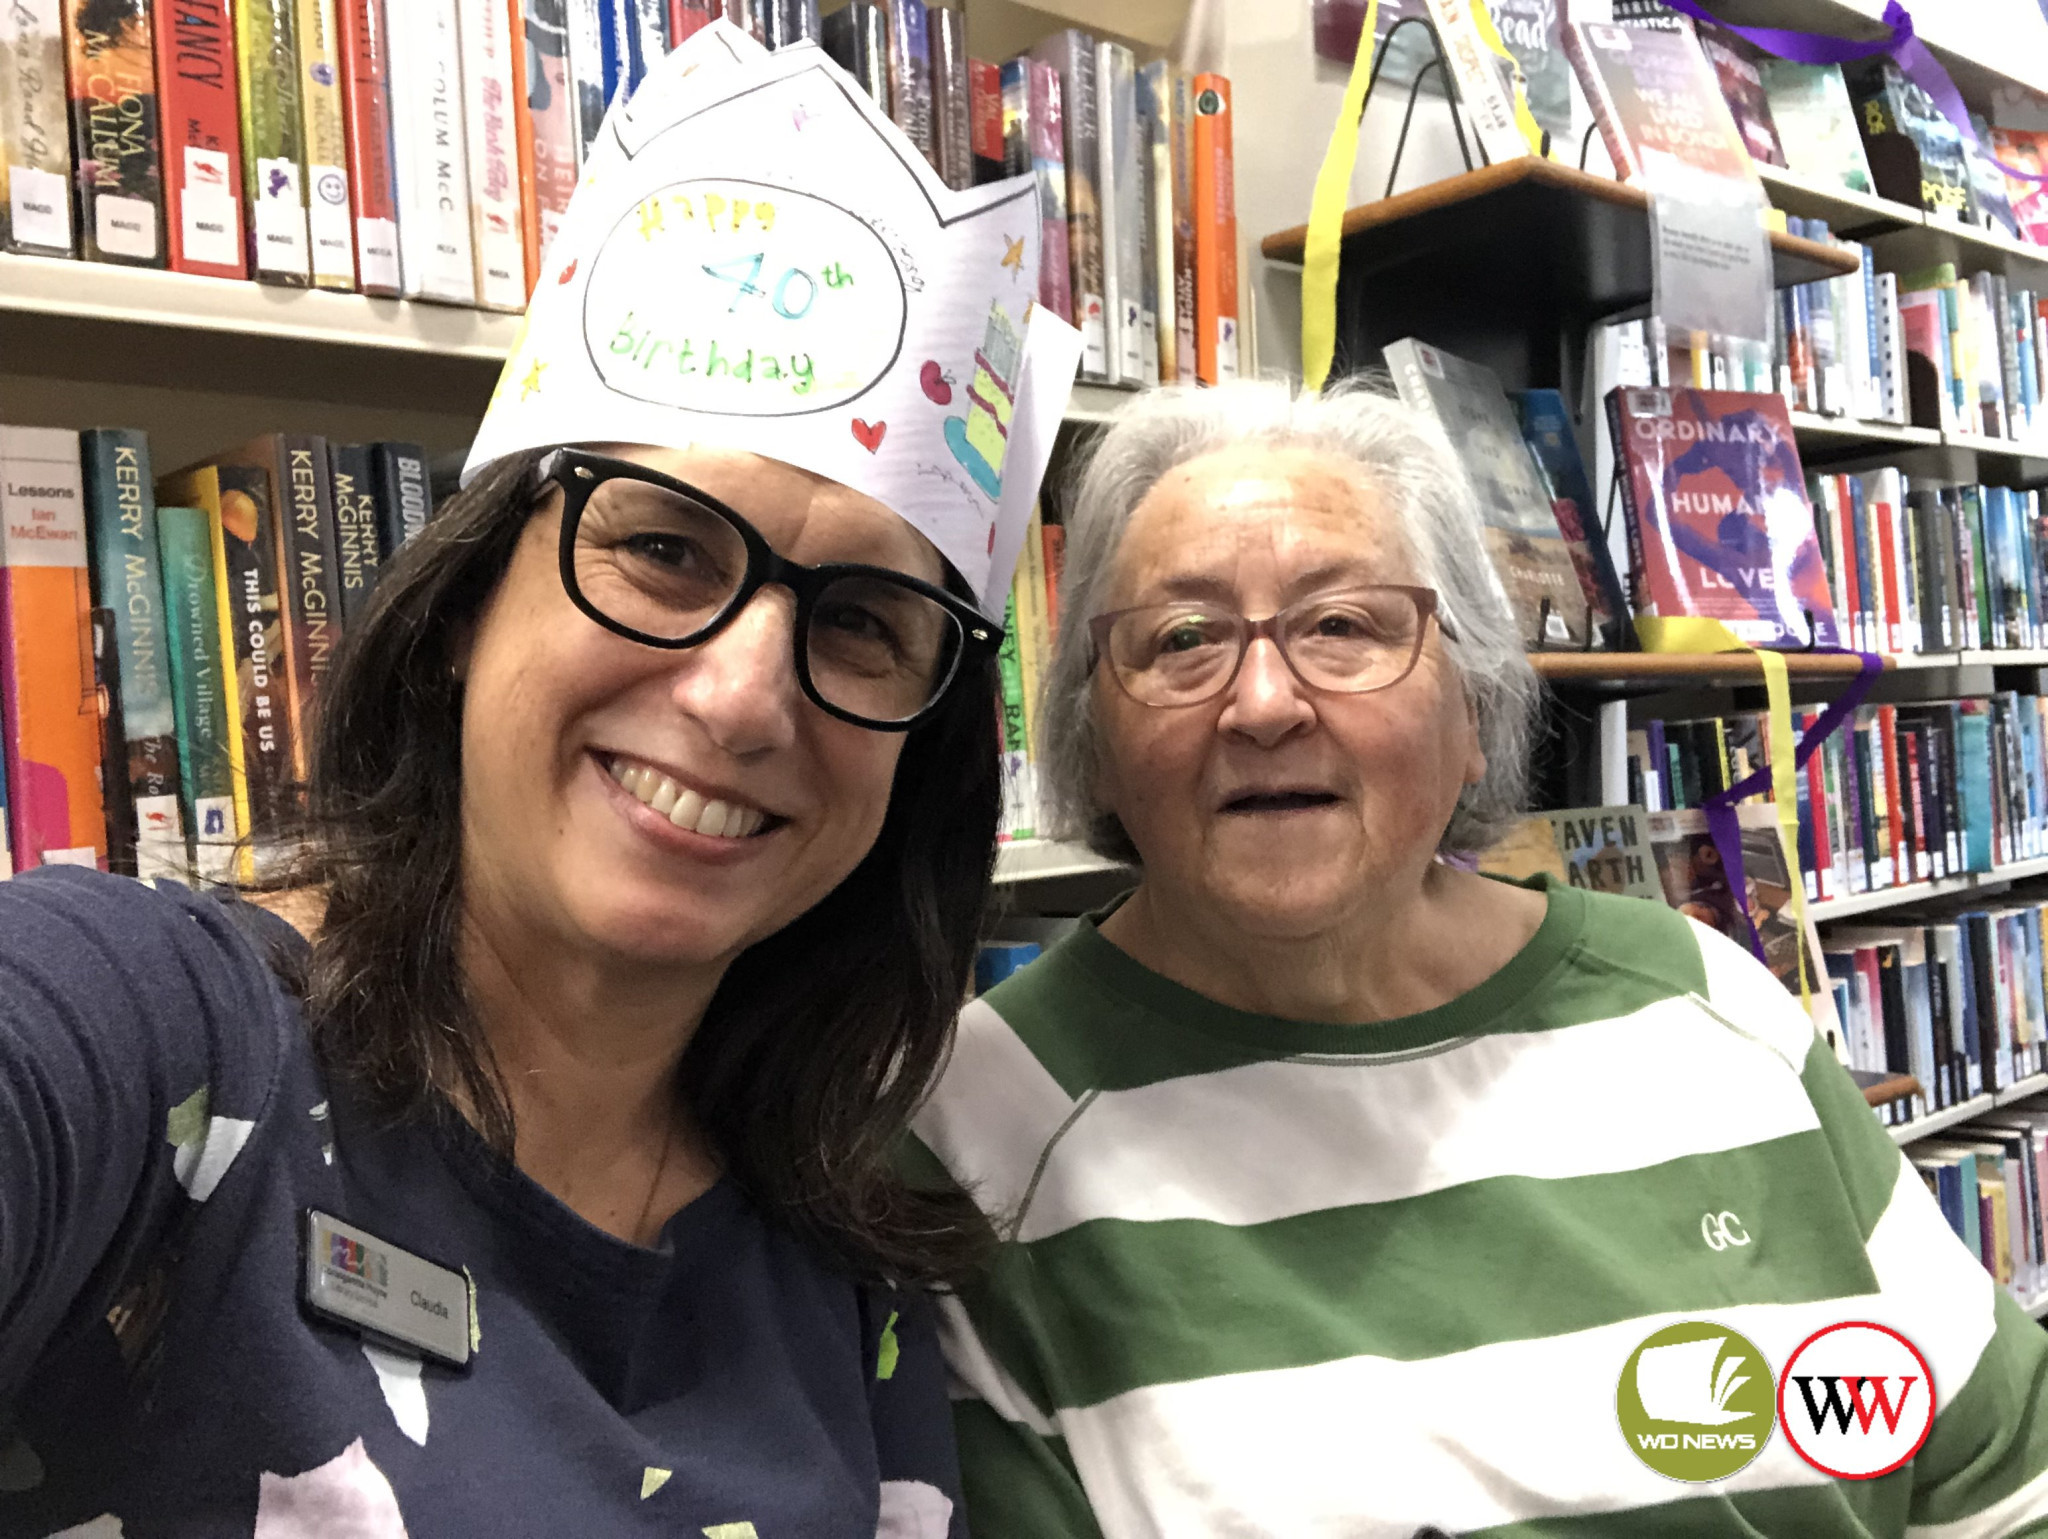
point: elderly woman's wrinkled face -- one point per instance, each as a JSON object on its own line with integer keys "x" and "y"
{"x": 1277, "y": 807}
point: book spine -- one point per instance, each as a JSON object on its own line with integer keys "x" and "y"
{"x": 192, "y": 637}
{"x": 1034, "y": 637}
{"x": 115, "y": 131}
{"x": 496, "y": 215}
{"x": 583, "y": 28}
{"x": 1124, "y": 203}
{"x": 202, "y": 176}
{"x": 308, "y": 582}
{"x": 614, "y": 52}
{"x": 128, "y": 584}
{"x": 1072, "y": 53}
{"x": 1019, "y": 783}
{"x": 1621, "y": 150}
{"x": 796, "y": 21}
{"x": 647, "y": 27}
{"x": 1155, "y": 84}
{"x": 330, "y": 215}
{"x": 436, "y": 258}
{"x": 1110, "y": 211}
{"x": 35, "y": 132}
{"x": 363, "y": 44}
{"x": 1185, "y": 353}
{"x": 262, "y": 683}
{"x": 49, "y": 707}
{"x": 910, "y": 73}
{"x": 546, "y": 125}
{"x": 273, "y": 142}
{"x": 1215, "y": 233}
{"x": 985, "y": 121}
{"x": 952, "y": 133}
{"x": 1045, "y": 137}
{"x": 356, "y": 553}
{"x": 1016, "y": 78}
{"x": 404, "y": 501}
{"x": 200, "y": 488}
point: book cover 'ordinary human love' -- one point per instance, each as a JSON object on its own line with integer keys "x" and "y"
{"x": 1718, "y": 514}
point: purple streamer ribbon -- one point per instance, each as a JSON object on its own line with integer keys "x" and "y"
{"x": 1722, "y": 824}
{"x": 1903, "y": 45}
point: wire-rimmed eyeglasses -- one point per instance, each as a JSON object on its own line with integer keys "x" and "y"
{"x": 1347, "y": 641}
{"x": 664, "y": 564}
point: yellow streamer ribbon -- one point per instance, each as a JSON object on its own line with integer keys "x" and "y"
{"x": 1681, "y": 633}
{"x": 1326, "y": 218}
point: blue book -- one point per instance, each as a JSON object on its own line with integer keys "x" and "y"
{"x": 1869, "y": 610}
{"x": 1872, "y": 307}
{"x": 998, "y": 959}
{"x": 615, "y": 49}
{"x": 1547, "y": 429}
{"x": 1973, "y": 782}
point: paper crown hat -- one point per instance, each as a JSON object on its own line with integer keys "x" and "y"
{"x": 757, "y": 258}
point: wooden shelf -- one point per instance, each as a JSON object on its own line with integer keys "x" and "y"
{"x": 1893, "y": 1087}
{"x": 1508, "y": 199}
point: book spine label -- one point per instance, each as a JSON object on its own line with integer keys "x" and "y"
{"x": 363, "y": 44}
{"x": 35, "y": 132}
{"x": 496, "y": 216}
{"x": 192, "y": 632}
{"x": 115, "y": 131}
{"x": 435, "y": 253}
{"x": 355, "y": 526}
{"x": 1110, "y": 204}
{"x": 1215, "y": 233}
{"x": 308, "y": 585}
{"x": 202, "y": 176}
{"x": 128, "y": 584}
{"x": 549, "y": 109}
{"x": 273, "y": 141}
{"x": 330, "y": 219}
{"x": 49, "y": 705}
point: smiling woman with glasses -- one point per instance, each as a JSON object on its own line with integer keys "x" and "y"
{"x": 1337, "y": 1185}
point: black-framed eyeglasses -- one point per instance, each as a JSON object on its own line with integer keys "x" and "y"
{"x": 1348, "y": 641}
{"x": 664, "y": 564}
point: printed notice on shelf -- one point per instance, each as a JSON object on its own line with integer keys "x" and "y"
{"x": 1710, "y": 256}
{"x": 125, "y": 226}
{"x": 209, "y": 212}
{"x": 280, "y": 218}
{"x": 39, "y": 207}
{"x": 377, "y": 253}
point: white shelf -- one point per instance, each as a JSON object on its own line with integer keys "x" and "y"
{"x": 2017, "y": 657}
{"x": 1848, "y": 212}
{"x": 1914, "y": 892}
{"x": 1037, "y": 860}
{"x": 1906, "y": 1134}
{"x": 1811, "y": 427}
{"x": 1096, "y": 404}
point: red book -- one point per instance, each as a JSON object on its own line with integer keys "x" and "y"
{"x": 1055, "y": 536}
{"x": 1895, "y": 809}
{"x": 1215, "y": 181}
{"x": 202, "y": 138}
{"x": 985, "y": 118}
{"x": 542, "y": 122}
{"x": 1892, "y": 634}
{"x": 687, "y": 16}
{"x": 1823, "y": 830}
{"x": 363, "y": 47}
{"x": 1718, "y": 521}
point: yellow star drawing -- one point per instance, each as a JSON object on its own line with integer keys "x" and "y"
{"x": 530, "y": 386}
{"x": 1014, "y": 256}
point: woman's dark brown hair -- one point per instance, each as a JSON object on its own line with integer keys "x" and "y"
{"x": 820, "y": 1041}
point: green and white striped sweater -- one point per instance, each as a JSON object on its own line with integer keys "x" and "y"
{"x": 1266, "y": 1277}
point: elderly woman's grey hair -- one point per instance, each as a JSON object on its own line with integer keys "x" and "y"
{"x": 1404, "y": 457}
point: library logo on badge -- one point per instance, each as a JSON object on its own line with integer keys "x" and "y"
{"x": 1857, "y": 1400}
{"x": 1694, "y": 1401}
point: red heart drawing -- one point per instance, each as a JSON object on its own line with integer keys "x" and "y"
{"x": 869, "y": 433}
{"x": 937, "y": 387}
{"x": 569, "y": 271}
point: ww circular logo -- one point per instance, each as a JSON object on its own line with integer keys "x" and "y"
{"x": 1696, "y": 1401}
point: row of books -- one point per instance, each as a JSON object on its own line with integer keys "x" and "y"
{"x": 1988, "y": 1177}
{"x": 1898, "y": 794}
{"x": 1030, "y": 620}
{"x": 1655, "y": 78}
{"x": 1134, "y": 170}
{"x": 1838, "y": 346}
{"x": 1918, "y": 567}
{"x": 1951, "y": 995}
{"x": 163, "y": 639}
{"x": 1976, "y": 353}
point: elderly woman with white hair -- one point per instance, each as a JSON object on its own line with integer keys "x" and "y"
{"x": 1341, "y": 1190}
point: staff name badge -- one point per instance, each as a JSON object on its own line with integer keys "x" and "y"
{"x": 353, "y": 1277}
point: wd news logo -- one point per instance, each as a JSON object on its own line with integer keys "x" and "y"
{"x": 1694, "y": 1401}
{"x": 1857, "y": 1400}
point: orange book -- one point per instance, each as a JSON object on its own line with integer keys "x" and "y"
{"x": 1894, "y": 796}
{"x": 522, "y": 138}
{"x": 1055, "y": 562}
{"x": 1215, "y": 233}
{"x": 51, "y": 715}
